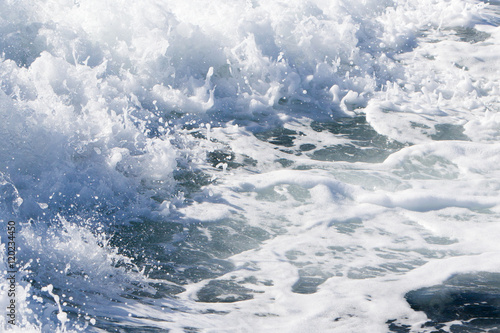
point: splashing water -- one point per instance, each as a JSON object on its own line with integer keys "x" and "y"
{"x": 251, "y": 166}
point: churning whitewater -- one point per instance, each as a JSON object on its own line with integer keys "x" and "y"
{"x": 250, "y": 166}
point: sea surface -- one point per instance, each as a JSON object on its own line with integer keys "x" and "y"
{"x": 250, "y": 166}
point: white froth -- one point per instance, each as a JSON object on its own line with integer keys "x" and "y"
{"x": 108, "y": 109}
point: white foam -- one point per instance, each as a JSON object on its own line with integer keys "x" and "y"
{"x": 93, "y": 100}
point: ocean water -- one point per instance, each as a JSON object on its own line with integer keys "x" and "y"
{"x": 251, "y": 166}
